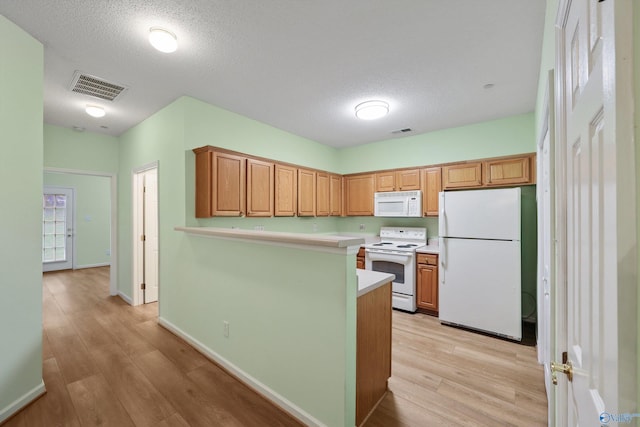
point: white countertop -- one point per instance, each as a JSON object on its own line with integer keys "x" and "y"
{"x": 369, "y": 280}
{"x": 429, "y": 249}
{"x": 323, "y": 240}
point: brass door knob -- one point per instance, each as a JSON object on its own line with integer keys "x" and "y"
{"x": 565, "y": 368}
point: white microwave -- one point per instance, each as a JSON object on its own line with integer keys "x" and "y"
{"x": 398, "y": 204}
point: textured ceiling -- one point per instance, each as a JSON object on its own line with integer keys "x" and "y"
{"x": 298, "y": 65}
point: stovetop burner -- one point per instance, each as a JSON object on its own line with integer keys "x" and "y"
{"x": 400, "y": 238}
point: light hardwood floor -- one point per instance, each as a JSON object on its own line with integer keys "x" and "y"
{"x": 446, "y": 376}
{"x": 106, "y": 363}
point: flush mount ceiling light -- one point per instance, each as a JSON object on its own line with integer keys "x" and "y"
{"x": 371, "y": 110}
{"x": 163, "y": 40}
{"x": 95, "y": 111}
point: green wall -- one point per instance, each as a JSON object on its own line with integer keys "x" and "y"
{"x": 511, "y": 135}
{"x": 204, "y": 281}
{"x": 157, "y": 139}
{"x": 21, "y": 88}
{"x": 92, "y": 216}
{"x": 83, "y": 151}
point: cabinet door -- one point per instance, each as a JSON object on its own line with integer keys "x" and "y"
{"x": 322, "y": 194}
{"x": 228, "y": 190}
{"x": 259, "y": 188}
{"x": 335, "y": 195}
{"x": 204, "y": 181}
{"x": 432, "y": 185}
{"x": 427, "y": 287}
{"x": 508, "y": 171}
{"x": 306, "y": 192}
{"x": 359, "y": 194}
{"x": 462, "y": 176}
{"x": 286, "y": 190}
{"x": 408, "y": 180}
{"x": 386, "y": 181}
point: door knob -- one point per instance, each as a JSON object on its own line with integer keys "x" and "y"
{"x": 565, "y": 368}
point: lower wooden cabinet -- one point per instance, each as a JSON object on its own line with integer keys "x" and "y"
{"x": 427, "y": 283}
{"x": 360, "y": 259}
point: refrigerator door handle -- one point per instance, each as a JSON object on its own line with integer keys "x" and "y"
{"x": 443, "y": 218}
{"x": 442, "y": 258}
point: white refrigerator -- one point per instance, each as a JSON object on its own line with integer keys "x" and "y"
{"x": 480, "y": 260}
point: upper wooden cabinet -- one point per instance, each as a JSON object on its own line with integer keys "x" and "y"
{"x": 431, "y": 186}
{"x": 408, "y": 180}
{"x": 323, "y": 199}
{"x": 306, "y": 192}
{"x": 335, "y": 195}
{"x": 398, "y": 180}
{"x": 359, "y": 191}
{"x": 220, "y": 183}
{"x": 286, "y": 190}
{"x": 463, "y": 175}
{"x": 386, "y": 181}
{"x": 228, "y": 190}
{"x": 508, "y": 171}
{"x": 260, "y": 188}
{"x": 204, "y": 181}
{"x": 498, "y": 172}
{"x": 228, "y": 183}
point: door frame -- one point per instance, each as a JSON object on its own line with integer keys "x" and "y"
{"x": 547, "y": 349}
{"x": 113, "y": 274}
{"x": 137, "y": 227}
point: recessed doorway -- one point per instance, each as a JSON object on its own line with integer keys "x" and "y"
{"x": 145, "y": 224}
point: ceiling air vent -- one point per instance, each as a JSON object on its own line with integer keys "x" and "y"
{"x": 405, "y": 130}
{"x": 94, "y": 86}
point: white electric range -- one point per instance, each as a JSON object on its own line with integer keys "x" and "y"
{"x": 396, "y": 254}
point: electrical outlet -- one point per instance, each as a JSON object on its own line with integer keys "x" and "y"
{"x": 108, "y": 252}
{"x": 226, "y": 328}
{"x": 315, "y": 227}
{"x": 362, "y": 227}
{"x": 259, "y": 228}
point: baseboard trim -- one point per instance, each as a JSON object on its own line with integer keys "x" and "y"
{"x": 101, "y": 264}
{"x": 125, "y": 298}
{"x": 278, "y": 400}
{"x": 21, "y": 402}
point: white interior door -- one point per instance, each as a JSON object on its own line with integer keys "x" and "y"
{"x": 57, "y": 228}
{"x": 601, "y": 275}
{"x": 151, "y": 235}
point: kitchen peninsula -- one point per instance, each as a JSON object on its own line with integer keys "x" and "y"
{"x": 284, "y": 314}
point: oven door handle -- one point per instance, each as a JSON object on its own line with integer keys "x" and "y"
{"x": 381, "y": 256}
